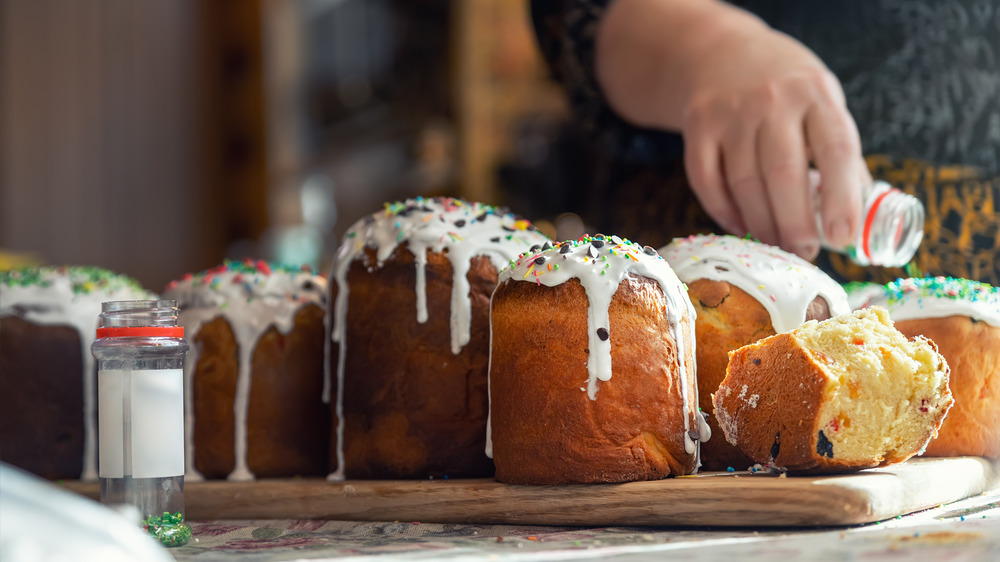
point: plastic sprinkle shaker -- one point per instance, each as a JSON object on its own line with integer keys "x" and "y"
{"x": 140, "y": 360}
{"x": 890, "y": 230}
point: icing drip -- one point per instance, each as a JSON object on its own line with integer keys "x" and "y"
{"x": 601, "y": 264}
{"x": 252, "y": 296}
{"x": 938, "y": 297}
{"x": 338, "y": 335}
{"x": 783, "y": 283}
{"x": 420, "y": 258}
{"x": 461, "y": 230}
{"x": 69, "y": 296}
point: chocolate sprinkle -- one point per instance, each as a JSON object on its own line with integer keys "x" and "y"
{"x": 649, "y": 250}
{"x": 546, "y": 247}
{"x": 495, "y": 239}
{"x": 460, "y": 223}
{"x": 565, "y": 248}
{"x": 823, "y": 446}
{"x": 507, "y": 228}
{"x": 534, "y": 249}
{"x": 756, "y": 361}
{"x": 482, "y": 217}
{"x": 539, "y": 260}
{"x": 597, "y": 244}
{"x": 603, "y": 334}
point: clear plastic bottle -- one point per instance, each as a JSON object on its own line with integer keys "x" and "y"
{"x": 140, "y": 361}
{"x": 890, "y": 230}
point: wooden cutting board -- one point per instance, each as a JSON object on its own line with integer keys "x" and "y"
{"x": 710, "y": 499}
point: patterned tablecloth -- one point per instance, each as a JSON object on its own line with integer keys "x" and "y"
{"x": 966, "y": 530}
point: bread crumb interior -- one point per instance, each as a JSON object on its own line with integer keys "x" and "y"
{"x": 885, "y": 391}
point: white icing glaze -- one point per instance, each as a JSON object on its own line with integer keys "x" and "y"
{"x": 459, "y": 229}
{"x": 938, "y": 297}
{"x": 252, "y": 297}
{"x": 783, "y": 283}
{"x": 70, "y": 296}
{"x": 601, "y": 265}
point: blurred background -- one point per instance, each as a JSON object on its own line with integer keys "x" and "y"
{"x": 160, "y": 137}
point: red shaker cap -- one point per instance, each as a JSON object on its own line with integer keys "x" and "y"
{"x": 142, "y": 332}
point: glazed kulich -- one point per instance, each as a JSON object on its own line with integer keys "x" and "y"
{"x": 840, "y": 395}
{"x": 592, "y": 368}
{"x": 48, "y": 377}
{"x": 743, "y": 291}
{"x": 410, "y": 337}
{"x": 254, "y": 375}
{"x": 963, "y": 318}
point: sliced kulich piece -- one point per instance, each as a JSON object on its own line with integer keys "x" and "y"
{"x": 840, "y": 395}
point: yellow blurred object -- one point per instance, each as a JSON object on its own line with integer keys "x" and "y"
{"x": 10, "y": 259}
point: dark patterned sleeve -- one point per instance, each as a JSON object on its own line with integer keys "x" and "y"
{"x": 567, "y": 33}
{"x": 567, "y": 36}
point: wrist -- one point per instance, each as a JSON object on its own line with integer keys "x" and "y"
{"x": 649, "y": 54}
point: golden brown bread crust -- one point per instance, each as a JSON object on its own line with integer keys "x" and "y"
{"x": 779, "y": 427}
{"x": 727, "y": 318}
{"x": 972, "y": 350}
{"x": 412, "y": 408}
{"x": 287, "y": 422}
{"x": 213, "y": 391}
{"x": 41, "y": 398}
{"x": 288, "y": 432}
{"x": 545, "y": 428}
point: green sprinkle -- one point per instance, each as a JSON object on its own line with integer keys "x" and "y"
{"x": 83, "y": 279}
{"x": 169, "y": 529}
{"x": 943, "y": 288}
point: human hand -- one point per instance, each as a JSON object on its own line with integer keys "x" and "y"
{"x": 761, "y": 108}
{"x": 755, "y": 107}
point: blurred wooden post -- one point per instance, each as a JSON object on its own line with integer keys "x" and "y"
{"x": 234, "y": 129}
{"x": 500, "y": 80}
{"x": 473, "y": 98}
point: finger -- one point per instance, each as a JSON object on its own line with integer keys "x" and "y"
{"x": 865, "y": 177}
{"x": 702, "y": 161}
{"x": 783, "y": 163}
{"x": 746, "y": 184}
{"x": 836, "y": 147}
